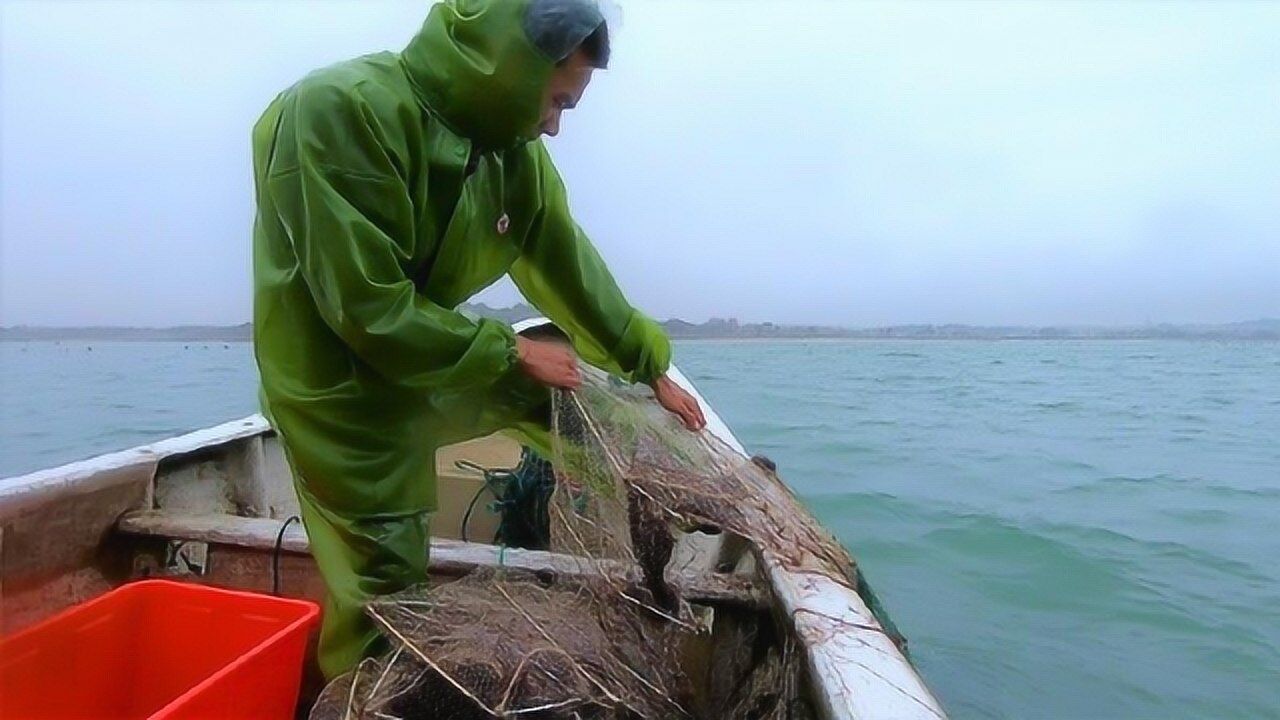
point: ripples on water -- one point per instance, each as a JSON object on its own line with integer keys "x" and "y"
{"x": 1063, "y": 529}
{"x": 70, "y": 400}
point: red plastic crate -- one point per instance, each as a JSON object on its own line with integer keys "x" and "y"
{"x": 158, "y": 649}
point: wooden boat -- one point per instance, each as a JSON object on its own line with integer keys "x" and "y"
{"x": 215, "y": 506}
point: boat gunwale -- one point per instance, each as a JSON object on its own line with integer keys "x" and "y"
{"x": 855, "y": 669}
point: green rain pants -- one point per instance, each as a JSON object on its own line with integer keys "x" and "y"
{"x": 363, "y": 556}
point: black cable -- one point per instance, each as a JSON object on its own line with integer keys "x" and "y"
{"x": 489, "y": 475}
{"x": 275, "y": 555}
{"x": 466, "y": 516}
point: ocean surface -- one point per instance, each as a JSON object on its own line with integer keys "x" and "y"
{"x": 1063, "y": 529}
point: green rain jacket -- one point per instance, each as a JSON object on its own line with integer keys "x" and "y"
{"x": 370, "y": 231}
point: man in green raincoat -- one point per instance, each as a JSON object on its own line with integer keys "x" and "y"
{"x": 391, "y": 188}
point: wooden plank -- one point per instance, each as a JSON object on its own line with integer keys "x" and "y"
{"x": 856, "y": 672}
{"x": 21, "y": 492}
{"x": 448, "y": 557}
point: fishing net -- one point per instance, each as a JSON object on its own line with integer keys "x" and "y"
{"x": 603, "y": 626}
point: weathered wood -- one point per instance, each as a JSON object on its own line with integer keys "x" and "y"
{"x": 448, "y": 557}
{"x": 856, "y": 670}
{"x": 857, "y": 673}
{"x": 53, "y": 554}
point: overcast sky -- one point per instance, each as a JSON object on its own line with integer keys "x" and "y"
{"x": 834, "y": 162}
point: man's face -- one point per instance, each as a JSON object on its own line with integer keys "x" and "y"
{"x": 568, "y": 81}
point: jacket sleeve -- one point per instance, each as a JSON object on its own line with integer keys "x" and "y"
{"x": 560, "y": 272}
{"x": 348, "y": 216}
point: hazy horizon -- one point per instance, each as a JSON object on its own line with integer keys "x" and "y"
{"x": 1152, "y": 324}
{"x": 844, "y": 164}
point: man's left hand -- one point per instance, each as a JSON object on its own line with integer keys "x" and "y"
{"x": 678, "y": 401}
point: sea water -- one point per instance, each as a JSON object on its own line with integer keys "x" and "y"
{"x": 1085, "y": 529}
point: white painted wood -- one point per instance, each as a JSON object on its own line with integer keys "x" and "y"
{"x": 857, "y": 672}
{"x": 133, "y": 465}
{"x": 447, "y": 557}
{"x": 246, "y": 474}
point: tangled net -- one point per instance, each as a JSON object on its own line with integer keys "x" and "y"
{"x": 604, "y": 630}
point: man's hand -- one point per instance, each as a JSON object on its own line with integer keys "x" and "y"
{"x": 550, "y": 363}
{"x": 676, "y": 400}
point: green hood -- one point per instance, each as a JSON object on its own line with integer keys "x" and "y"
{"x": 369, "y": 232}
{"x": 474, "y": 66}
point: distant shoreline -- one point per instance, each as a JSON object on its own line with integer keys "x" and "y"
{"x": 972, "y": 338}
{"x": 715, "y": 330}
{"x": 718, "y": 329}
{"x": 711, "y": 339}
{"x": 192, "y": 333}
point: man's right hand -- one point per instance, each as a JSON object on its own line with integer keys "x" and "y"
{"x": 550, "y": 363}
